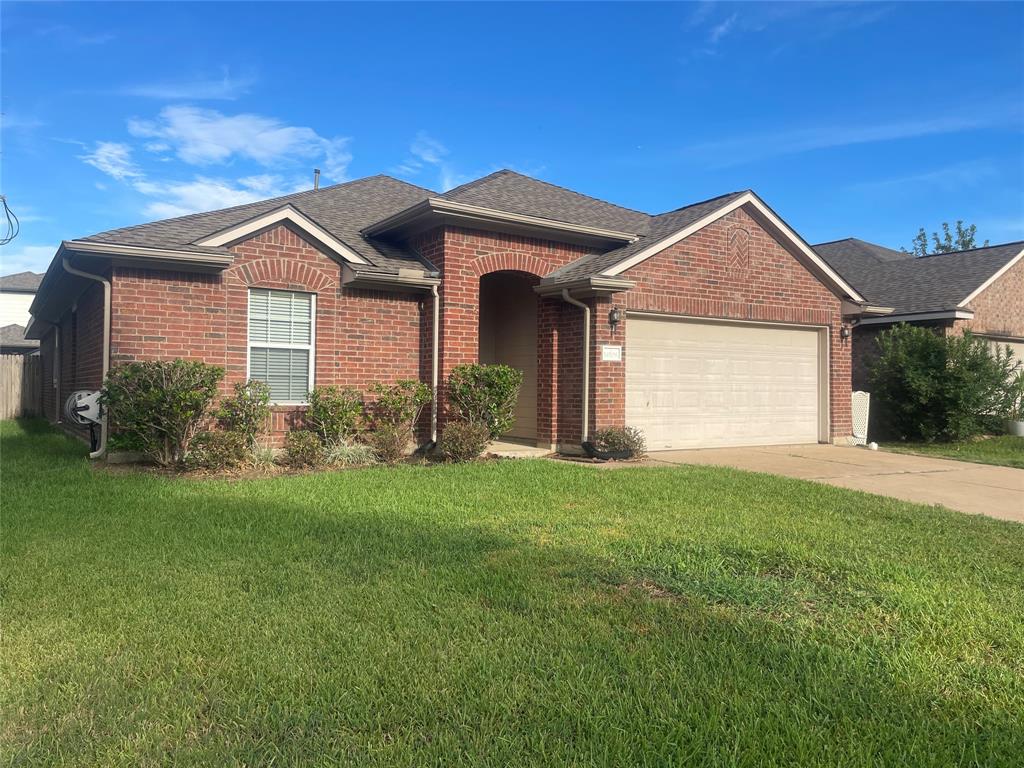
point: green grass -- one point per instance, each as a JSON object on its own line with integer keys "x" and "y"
{"x": 1004, "y": 450}
{"x": 507, "y": 614}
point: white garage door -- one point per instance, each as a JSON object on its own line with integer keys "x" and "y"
{"x": 693, "y": 384}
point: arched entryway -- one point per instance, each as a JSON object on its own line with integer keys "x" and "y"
{"x": 508, "y": 335}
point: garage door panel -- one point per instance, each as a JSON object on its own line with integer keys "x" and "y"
{"x": 693, "y": 384}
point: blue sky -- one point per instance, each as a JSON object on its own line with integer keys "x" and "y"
{"x": 847, "y": 118}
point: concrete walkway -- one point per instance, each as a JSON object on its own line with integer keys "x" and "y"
{"x": 974, "y": 488}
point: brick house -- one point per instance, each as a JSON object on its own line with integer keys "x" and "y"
{"x": 711, "y": 325}
{"x": 981, "y": 290}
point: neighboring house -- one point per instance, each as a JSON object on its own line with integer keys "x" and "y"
{"x": 981, "y": 290}
{"x": 16, "y": 294}
{"x": 711, "y": 325}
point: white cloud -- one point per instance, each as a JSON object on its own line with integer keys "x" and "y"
{"x": 427, "y": 152}
{"x": 721, "y": 29}
{"x": 225, "y": 87}
{"x": 950, "y": 177}
{"x": 114, "y": 159}
{"x": 179, "y": 198}
{"x": 204, "y": 137}
{"x": 25, "y": 258}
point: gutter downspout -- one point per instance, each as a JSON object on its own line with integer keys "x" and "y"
{"x": 106, "y": 344}
{"x": 433, "y": 370}
{"x": 586, "y": 361}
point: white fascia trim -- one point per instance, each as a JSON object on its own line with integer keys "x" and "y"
{"x": 747, "y": 198}
{"x": 286, "y": 213}
{"x": 165, "y": 254}
{"x": 1008, "y": 265}
{"x": 910, "y": 317}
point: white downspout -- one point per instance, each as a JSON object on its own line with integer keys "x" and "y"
{"x": 106, "y": 345}
{"x": 433, "y": 370}
{"x": 586, "y": 361}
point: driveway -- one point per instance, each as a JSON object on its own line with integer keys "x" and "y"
{"x": 974, "y": 488}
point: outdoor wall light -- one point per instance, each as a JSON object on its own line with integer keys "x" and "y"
{"x": 844, "y": 332}
{"x": 614, "y": 317}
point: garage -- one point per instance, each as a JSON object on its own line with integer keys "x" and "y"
{"x": 702, "y": 384}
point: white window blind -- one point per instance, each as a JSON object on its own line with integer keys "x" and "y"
{"x": 281, "y": 342}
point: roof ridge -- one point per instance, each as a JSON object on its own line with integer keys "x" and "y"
{"x": 971, "y": 250}
{"x": 395, "y": 178}
{"x": 474, "y": 182}
{"x": 701, "y": 202}
{"x": 838, "y": 240}
{"x": 510, "y": 172}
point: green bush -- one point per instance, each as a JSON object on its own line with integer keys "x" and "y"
{"x": 350, "y": 455}
{"x": 334, "y": 413}
{"x": 926, "y": 386}
{"x": 394, "y": 412}
{"x": 1015, "y": 410}
{"x": 303, "y": 448}
{"x": 620, "y": 439}
{"x": 161, "y": 405}
{"x": 247, "y": 411}
{"x": 463, "y": 440}
{"x": 218, "y": 450}
{"x": 485, "y": 394}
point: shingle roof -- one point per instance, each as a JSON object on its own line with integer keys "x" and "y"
{"x": 657, "y": 228}
{"x": 515, "y": 193}
{"x": 926, "y": 284}
{"x": 14, "y": 336}
{"x": 342, "y": 209}
{"x": 21, "y": 282}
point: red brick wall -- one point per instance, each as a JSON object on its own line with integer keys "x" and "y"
{"x": 361, "y": 336}
{"x": 999, "y": 309}
{"x": 694, "y": 277}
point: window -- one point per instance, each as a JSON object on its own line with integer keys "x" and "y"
{"x": 281, "y": 333}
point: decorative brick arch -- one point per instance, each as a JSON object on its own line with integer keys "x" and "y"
{"x": 285, "y": 273}
{"x": 510, "y": 261}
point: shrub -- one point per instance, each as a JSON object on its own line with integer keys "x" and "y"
{"x": 926, "y": 386}
{"x": 334, "y": 413}
{"x": 463, "y": 440}
{"x": 1015, "y": 410}
{"x": 303, "y": 448}
{"x": 350, "y": 455}
{"x": 620, "y": 439}
{"x": 218, "y": 450}
{"x": 161, "y": 404}
{"x": 485, "y": 394}
{"x": 389, "y": 442}
{"x": 247, "y": 411}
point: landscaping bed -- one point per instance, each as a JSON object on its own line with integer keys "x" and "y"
{"x": 497, "y": 613}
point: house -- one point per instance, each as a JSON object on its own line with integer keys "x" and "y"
{"x": 981, "y": 290}
{"x": 711, "y": 325}
{"x": 16, "y": 294}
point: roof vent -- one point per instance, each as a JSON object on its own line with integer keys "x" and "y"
{"x": 316, "y": 179}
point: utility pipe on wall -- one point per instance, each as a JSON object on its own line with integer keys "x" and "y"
{"x": 106, "y": 345}
{"x": 433, "y": 370}
{"x": 586, "y": 361}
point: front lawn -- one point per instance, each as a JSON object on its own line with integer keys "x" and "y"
{"x": 506, "y": 613}
{"x": 1004, "y": 450}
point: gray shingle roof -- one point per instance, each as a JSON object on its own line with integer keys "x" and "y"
{"x": 515, "y": 193}
{"x": 927, "y": 284}
{"x": 657, "y": 228}
{"x": 342, "y": 209}
{"x": 21, "y": 282}
{"x": 14, "y": 336}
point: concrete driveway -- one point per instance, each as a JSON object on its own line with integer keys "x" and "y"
{"x": 974, "y": 488}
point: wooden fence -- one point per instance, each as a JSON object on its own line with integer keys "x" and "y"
{"x": 21, "y": 386}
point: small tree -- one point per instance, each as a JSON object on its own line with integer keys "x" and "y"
{"x": 246, "y": 412}
{"x": 926, "y": 386}
{"x": 334, "y": 413}
{"x": 961, "y": 240}
{"x": 485, "y": 394}
{"x": 162, "y": 405}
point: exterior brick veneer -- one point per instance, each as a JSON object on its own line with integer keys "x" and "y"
{"x": 365, "y": 336}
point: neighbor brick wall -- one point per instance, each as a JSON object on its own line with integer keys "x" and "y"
{"x": 999, "y": 309}
{"x": 694, "y": 277}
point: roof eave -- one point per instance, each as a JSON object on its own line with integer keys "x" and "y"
{"x": 922, "y": 316}
{"x": 434, "y": 211}
{"x": 584, "y": 286}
